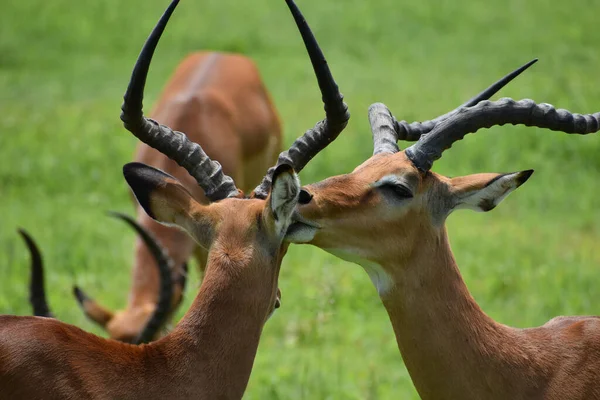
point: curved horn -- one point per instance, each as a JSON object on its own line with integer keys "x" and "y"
{"x": 173, "y": 144}
{"x": 383, "y": 129}
{"x": 387, "y": 130}
{"x": 336, "y": 111}
{"x": 489, "y": 113}
{"x": 164, "y": 264}
{"x": 37, "y": 291}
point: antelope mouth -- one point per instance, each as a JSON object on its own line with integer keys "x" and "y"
{"x": 301, "y": 230}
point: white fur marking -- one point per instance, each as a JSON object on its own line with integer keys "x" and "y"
{"x": 284, "y": 197}
{"x": 382, "y": 281}
{"x": 301, "y": 233}
{"x": 496, "y": 192}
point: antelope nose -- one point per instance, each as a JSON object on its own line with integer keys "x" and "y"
{"x": 305, "y": 197}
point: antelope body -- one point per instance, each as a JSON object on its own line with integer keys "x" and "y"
{"x": 210, "y": 353}
{"x": 388, "y": 215}
{"x": 220, "y": 101}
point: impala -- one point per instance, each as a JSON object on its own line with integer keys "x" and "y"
{"x": 209, "y": 92}
{"x": 210, "y": 352}
{"x": 388, "y": 216}
{"x": 37, "y": 290}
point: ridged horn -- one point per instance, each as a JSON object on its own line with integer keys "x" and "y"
{"x": 490, "y": 113}
{"x": 387, "y": 130}
{"x": 175, "y": 145}
{"x": 336, "y": 111}
{"x": 164, "y": 264}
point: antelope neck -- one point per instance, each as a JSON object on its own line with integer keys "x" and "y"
{"x": 451, "y": 348}
{"x": 219, "y": 335}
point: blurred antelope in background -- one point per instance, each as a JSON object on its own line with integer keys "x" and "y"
{"x": 210, "y": 352}
{"x": 37, "y": 290}
{"x": 388, "y": 215}
{"x": 221, "y": 103}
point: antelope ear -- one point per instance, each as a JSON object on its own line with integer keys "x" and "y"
{"x": 162, "y": 196}
{"x": 483, "y": 192}
{"x": 285, "y": 191}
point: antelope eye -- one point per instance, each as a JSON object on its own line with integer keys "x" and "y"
{"x": 397, "y": 190}
{"x": 304, "y": 197}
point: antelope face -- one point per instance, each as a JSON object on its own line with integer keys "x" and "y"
{"x": 386, "y": 207}
{"x": 260, "y": 222}
{"x": 393, "y": 201}
{"x": 244, "y": 236}
{"x": 342, "y": 208}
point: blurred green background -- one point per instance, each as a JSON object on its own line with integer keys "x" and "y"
{"x": 64, "y": 66}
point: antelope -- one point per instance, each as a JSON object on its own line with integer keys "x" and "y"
{"x": 209, "y": 92}
{"x": 37, "y": 291}
{"x": 210, "y": 353}
{"x": 388, "y": 215}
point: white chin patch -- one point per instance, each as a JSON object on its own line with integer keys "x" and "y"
{"x": 382, "y": 281}
{"x": 300, "y": 233}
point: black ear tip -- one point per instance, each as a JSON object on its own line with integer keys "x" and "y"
{"x": 143, "y": 179}
{"x": 524, "y": 176}
{"x": 136, "y": 170}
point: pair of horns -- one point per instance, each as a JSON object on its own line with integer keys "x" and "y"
{"x": 208, "y": 173}
{"x": 37, "y": 292}
{"x": 437, "y": 135}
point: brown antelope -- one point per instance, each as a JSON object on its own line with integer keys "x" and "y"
{"x": 37, "y": 290}
{"x": 388, "y": 216}
{"x": 210, "y": 352}
{"x": 209, "y": 92}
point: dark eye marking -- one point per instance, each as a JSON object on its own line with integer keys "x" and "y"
{"x": 397, "y": 190}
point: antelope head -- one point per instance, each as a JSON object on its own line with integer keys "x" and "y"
{"x": 217, "y": 186}
{"x": 265, "y": 214}
{"x": 391, "y": 208}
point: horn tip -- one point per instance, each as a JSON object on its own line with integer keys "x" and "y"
{"x": 530, "y": 63}
{"x": 116, "y": 214}
{"x": 79, "y": 294}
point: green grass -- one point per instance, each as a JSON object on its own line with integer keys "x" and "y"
{"x": 64, "y": 66}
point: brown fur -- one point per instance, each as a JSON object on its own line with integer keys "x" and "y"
{"x": 451, "y": 348}
{"x": 221, "y": 103}
{"x": 209, "y": 355}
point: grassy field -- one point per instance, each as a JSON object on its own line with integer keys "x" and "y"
{"x": 64, "y": 66}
